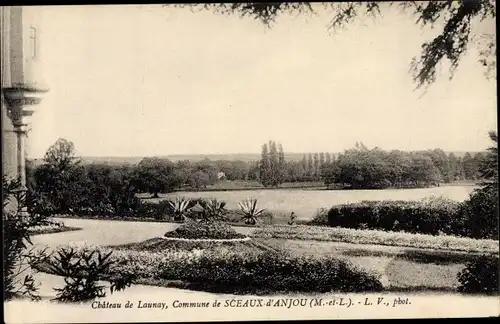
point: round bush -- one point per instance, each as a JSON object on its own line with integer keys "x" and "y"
{"x": 480, "y": 275}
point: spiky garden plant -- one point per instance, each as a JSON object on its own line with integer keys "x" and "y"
{"x": 180, "y": 207}
{"x": 250, "y": 212}
{"x": 213, "y": 210}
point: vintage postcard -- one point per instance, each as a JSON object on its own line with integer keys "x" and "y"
{"x": 249, "y": 161}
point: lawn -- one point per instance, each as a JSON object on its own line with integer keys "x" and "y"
{"x": 399, "y": 269}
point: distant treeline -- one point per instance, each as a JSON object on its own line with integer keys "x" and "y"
{"x": 361, "y": 167}
{"x": 358, "y": 167}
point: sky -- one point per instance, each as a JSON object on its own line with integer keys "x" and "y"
{"x": 151, "y": 80}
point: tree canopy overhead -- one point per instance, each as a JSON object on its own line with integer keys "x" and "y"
{"x": 450, "y": 44}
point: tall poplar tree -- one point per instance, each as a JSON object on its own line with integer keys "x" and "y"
{"x": 264, "y": 166}
{"x": 274, "y": 163}
{"x": 310, "y": 165}
{"x": 328, "y": 158}
{"x": 281, "y": 164}
{"x": 316, "y": 165}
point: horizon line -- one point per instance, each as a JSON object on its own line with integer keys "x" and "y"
{"x": 246, "y": 153}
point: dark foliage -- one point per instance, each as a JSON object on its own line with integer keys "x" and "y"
{"x": 211, "y": 210}
{"x": 82, "y": 271}
{"x": 427, "y": 217}
{"x": 480, "y": 275}
{"x": 479, "y": 214}
{"x": 159, "y": 211}
{"x": 17, "y": 230}
{"x": 271, "y": 272}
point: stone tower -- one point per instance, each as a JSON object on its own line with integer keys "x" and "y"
{"x": 22, "y": 84}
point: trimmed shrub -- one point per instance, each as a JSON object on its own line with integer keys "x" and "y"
{"x": 480, "y": 275}
{"x": 204, "y": 230}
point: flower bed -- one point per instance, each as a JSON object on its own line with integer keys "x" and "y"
{"x": 444, "y": 242}
{"x": 243, "y": 272}
{"x": 207, "y": 240}
{"x": 204, "y": 230}
{"x": 53, "y": 230}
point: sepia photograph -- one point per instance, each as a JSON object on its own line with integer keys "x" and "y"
{"x": 249, "y": 161}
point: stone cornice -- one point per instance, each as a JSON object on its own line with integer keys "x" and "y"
{"x": 20, "y": 100}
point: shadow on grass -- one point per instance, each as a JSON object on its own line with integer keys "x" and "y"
{"x": 421, "y": 289}
{"x": 444, "y": 290}
{"x": 55, "y": 230}
{"x": 242, "y": 288}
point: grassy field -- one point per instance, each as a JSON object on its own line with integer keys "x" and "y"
{"x": 305, "y": 203}
{"x": 245, "y": 185}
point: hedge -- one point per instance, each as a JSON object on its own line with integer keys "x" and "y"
{"x": 476, "y": 217}
{"x": 430, "y": 216}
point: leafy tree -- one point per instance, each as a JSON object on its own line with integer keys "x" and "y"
{"x": 423, "y": 170}
{"x": 489, "y": 164}
{"x": 470, "y": 167}
{"x": 155, "y": 175}
{"x": 61, "y": 155}
{"x": 454, "y": 167}
{"x": 481, "y": 209}
{"x": 440, "y": 160}
{"x": 450, "y": 43}
{"x": 329, "y": 173}
{"x": 198, "y": 180}
{"x": 58, "y": 182}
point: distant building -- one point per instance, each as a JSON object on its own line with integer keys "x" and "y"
{"x": 21, "y": 84}
{"x": 221, "y": 176}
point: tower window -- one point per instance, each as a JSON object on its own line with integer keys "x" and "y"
{"x": 33, "y": 41}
